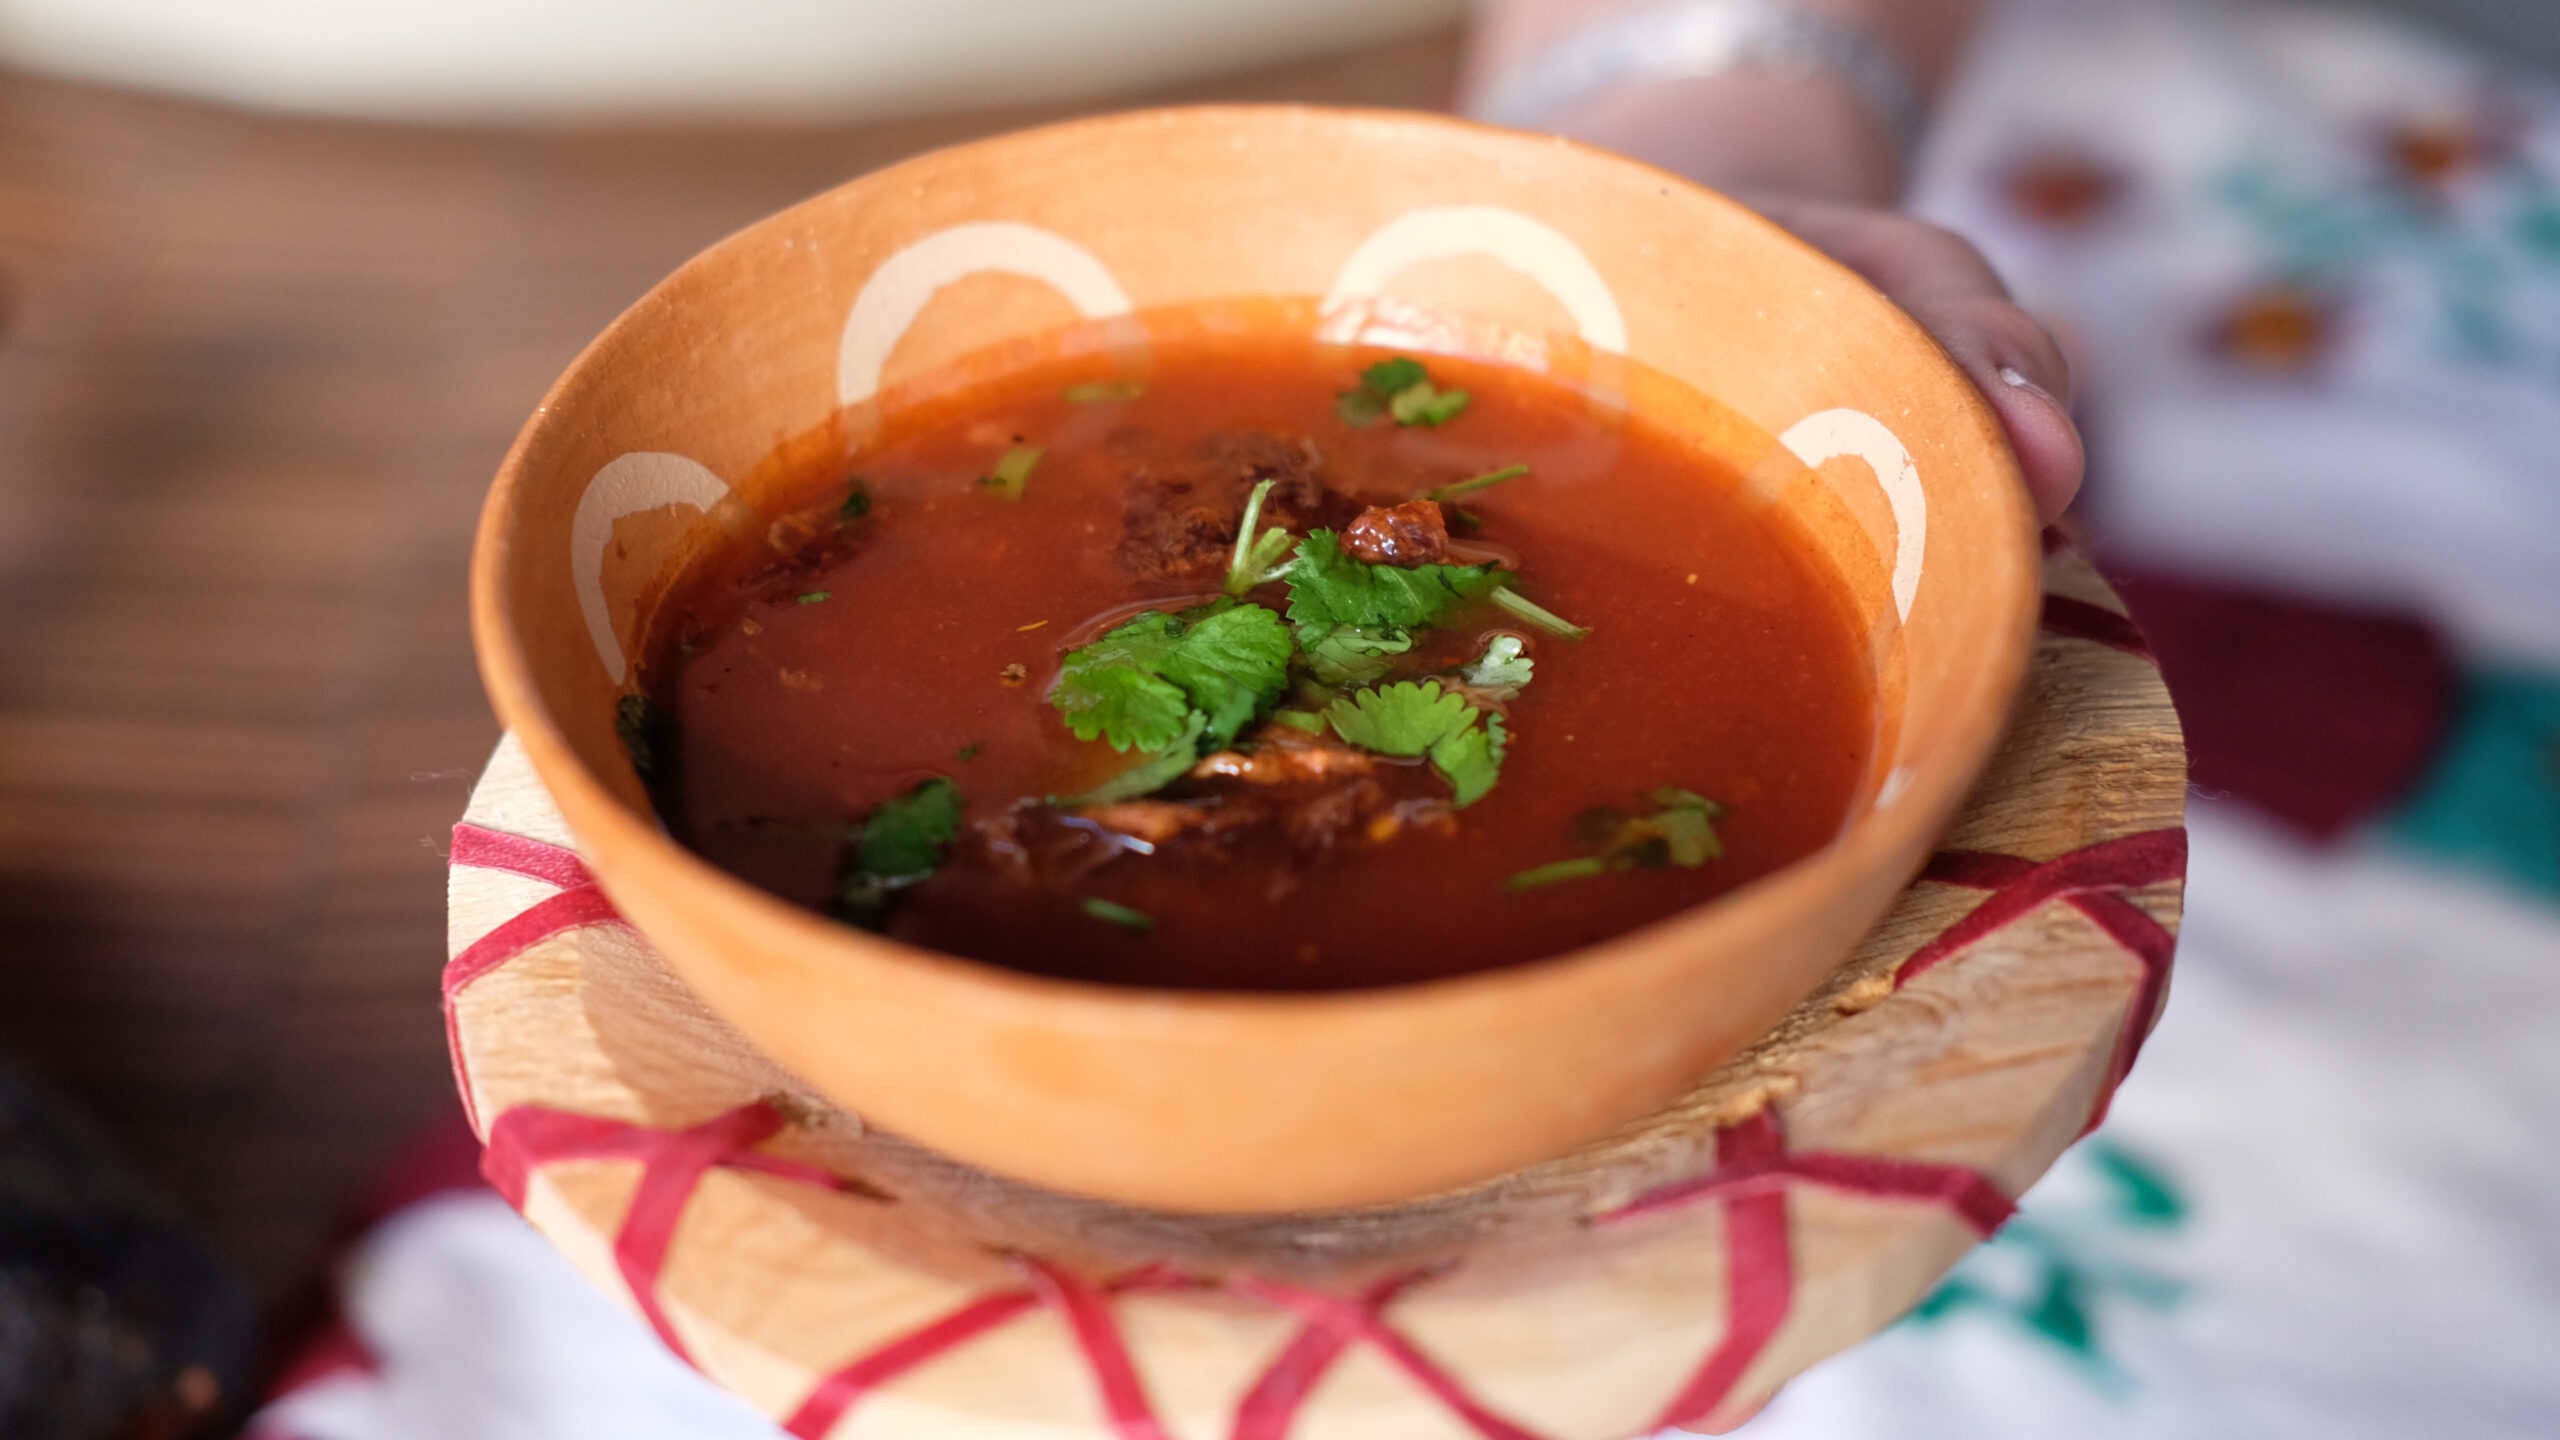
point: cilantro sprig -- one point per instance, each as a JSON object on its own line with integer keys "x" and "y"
{"x": 1258, "y": 560}
{"x": 1472, "y": 484}
{"x": 1681, "y": 831}
{"x": 1536, "y": 614}
{"x": 899, "y": 846}
{"x": 1328, "y": 588}
{"x": 1399, "y": 387}
{"x": 1139, "y": 684}
{"x": 1464, "y": 743}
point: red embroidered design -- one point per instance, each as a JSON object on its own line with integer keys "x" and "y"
{"x": 1083, "y": 1304}
{"x": 1753, "y": 1172}
{"x": 672, "y": 1164}
{"x": 487, "y": 849}
{"x": 579, "y": 903}
{"x": 2093, "y": 879}
{"x": 2080, "y": 620}
{"x": 1334, "y": 1322}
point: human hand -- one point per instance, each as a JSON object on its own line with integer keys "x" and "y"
{"x": 1946, "y": 285}
{"x": 1809, "y": 152}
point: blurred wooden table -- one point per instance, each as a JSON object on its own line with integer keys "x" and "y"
{"x": 254, "y": 375}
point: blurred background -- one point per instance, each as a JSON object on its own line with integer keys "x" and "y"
{"x": 279, "y": 280}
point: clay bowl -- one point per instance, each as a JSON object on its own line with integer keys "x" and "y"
{"x": 1836, "y": 407}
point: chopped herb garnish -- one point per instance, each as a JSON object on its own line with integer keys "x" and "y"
{"x": 1399, "y": 387}
{"x": 1013, "y": 471}
{"x": 969, "y": 752}
{"x": 1102, "y": 390}
{"x": 1328, "y": 588}
{"x": 857, "y": 503}
{"x": 1148, "y": 775}
{"x": 812, "y": 597}
{"x": 900, "y": 844}
{"x": 1582, "y": 869}
{"x": 1465, "y": 744}
{"x": 1539, "y": 615}
{"x": 1111, "y": 913}
{"x": 1307, "y": 720}
{"x": 1257, "y": 560}
{"x": 1503, "y": 671}
{"x": 1681, "y": 832}
{"x": 1486, "y": 481}
{"x": 1349, "y": 654}
{"x": 1139, "y": 684}
{"x": 1471, "y": 759}
{"x": 647, "y": 735}
{"x": 1405, "y": 718}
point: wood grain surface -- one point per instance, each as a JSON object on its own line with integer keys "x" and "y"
{"x": 776, "y": 1241}
{"x": 255, "y": 374}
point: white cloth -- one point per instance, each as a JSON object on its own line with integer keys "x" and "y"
{"x": 481, "y": 1331}
{"x": 2355, "y": 1089}
{"x": 2412, "y": 461}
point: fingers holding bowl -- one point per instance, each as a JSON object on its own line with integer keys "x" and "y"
{"x": 1950, "y": 288}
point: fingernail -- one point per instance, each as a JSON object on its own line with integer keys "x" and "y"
{"x": 2016, "y": 379}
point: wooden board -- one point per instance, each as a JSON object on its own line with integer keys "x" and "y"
{"x": 853, "y": 1285}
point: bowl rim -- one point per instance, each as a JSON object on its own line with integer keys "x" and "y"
{"x": 623, "y": 847}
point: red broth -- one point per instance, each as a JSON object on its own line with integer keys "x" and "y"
{"x": 923, "y": 638}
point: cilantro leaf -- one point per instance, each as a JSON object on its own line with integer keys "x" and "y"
{"x": 1405, "y": 718}
{"x": 1680, "y": 832}
{"x": 1400, "y": 387}
{"x": 1139, "y": 684}
{"x": 857, "y": 503}
{"x": 1329, "y": 588}
{"x": 1012, "y": 473}
{"x": 901, "y": 843}
{"x": 1147, "y": 776}
{"x": 1427, "y": 404}
{"x": 1232, "y": 663}
{"x": 1419, "y": 718}
{"x": 1394, "y": 375}
{"x": 1350, "y": 654}
{"x": 1471, "y": 759}
{"x": 1503, "y": 671}
{"x": 1113, "y": 689}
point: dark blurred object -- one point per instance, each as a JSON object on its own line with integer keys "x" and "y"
{"x": 2321, "y": 715}
{"x": 116, "y": 1323}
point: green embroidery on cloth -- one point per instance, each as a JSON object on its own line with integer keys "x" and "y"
{"x": 2052, "y": 1273}
{"x": 2492, "y": 800}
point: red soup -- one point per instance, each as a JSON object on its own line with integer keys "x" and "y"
{"x": 1494, "y": 673}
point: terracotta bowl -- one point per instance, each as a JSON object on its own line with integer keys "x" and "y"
{"x": 1429, "y": 234}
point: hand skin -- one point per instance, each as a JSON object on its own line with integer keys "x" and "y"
{"x": 1810, "y": 156}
